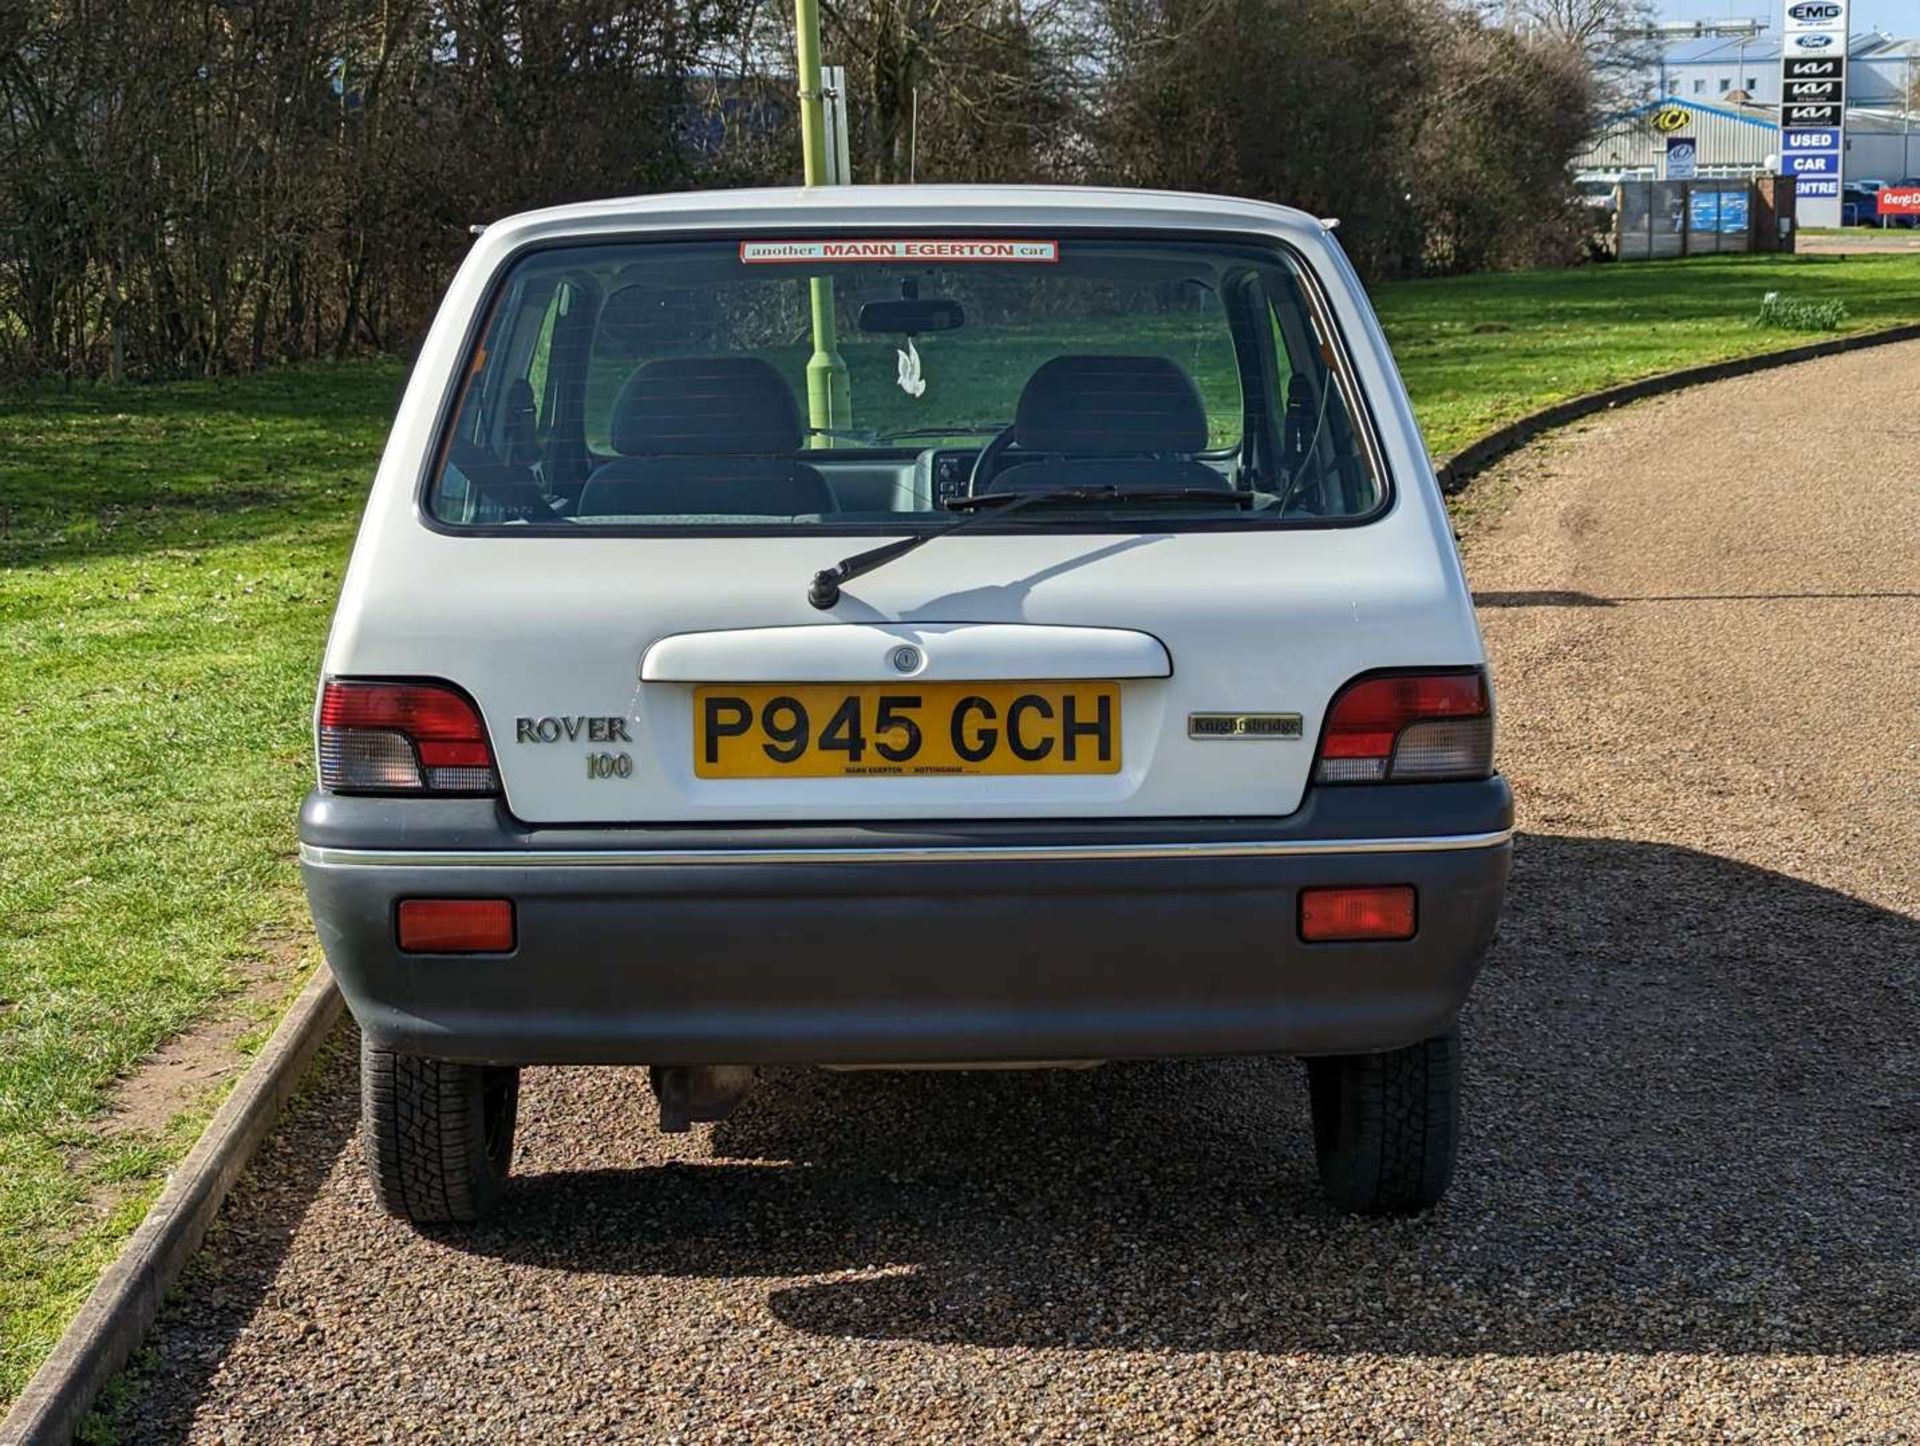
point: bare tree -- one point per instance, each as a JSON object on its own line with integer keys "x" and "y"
{"x": 189, "y": 186}
{"x": 953, "y": 89}
{"x": 1616, "y": 36}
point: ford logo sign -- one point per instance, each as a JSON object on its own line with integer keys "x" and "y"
{"x": 1809, "y": 10}
{"x": 1812, "y": 42}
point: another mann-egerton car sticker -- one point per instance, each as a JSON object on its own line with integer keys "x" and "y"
{"x": 925, "y": 248}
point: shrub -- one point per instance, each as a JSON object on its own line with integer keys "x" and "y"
{"x": 1792, "y": 314}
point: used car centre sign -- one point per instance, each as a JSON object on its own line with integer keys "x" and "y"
{"x": 1813, "y": 105}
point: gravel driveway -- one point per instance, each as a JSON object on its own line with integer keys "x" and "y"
{"x": 1687, "y": 1206}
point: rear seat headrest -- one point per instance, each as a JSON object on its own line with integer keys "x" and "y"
{"x": 1110, "y": 405}
{"x": 705, "y": 406}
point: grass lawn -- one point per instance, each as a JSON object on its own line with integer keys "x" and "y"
{"x": 1478, "y": 351}
{"x": 168, "y": 563}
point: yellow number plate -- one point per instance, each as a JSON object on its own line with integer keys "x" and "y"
{"x": 910, "y": 730}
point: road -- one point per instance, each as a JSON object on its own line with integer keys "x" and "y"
{"x": 1686, "y": 1206}
{"x": 1857, "y": 241}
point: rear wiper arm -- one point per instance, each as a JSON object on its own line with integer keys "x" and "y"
{"x": 824, "y": 591}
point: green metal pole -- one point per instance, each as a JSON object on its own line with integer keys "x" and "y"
{"x": 827, "y": 400}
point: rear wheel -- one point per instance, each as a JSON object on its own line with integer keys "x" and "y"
{"x": 1386, "y": 1126}
{"x": 439, "y": 1135}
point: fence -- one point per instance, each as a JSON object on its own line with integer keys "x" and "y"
{"x": 1700, "y": 218}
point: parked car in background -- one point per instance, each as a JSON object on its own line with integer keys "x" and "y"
{"x": 1860, "y": 203}
{"x": 1598, "y": 192}
{"x": 1905, "y": 183}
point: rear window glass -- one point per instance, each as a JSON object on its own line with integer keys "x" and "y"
{"x": 885, "y": 383}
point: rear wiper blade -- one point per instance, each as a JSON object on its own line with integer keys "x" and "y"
{"x": 824, "y": 591}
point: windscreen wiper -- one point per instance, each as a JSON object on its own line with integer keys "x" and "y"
{"x": 824, "y": 591}
{"x": 958, "y": 429}
{"x": 845, "y": 434}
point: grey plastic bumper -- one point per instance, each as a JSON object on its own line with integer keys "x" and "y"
{"x": 895, "y": 946}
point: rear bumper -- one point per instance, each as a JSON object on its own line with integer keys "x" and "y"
{"x": 942, "y": 944}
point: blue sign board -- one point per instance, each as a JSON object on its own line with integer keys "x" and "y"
{"x": 1682, "y": 156}
{"x": 1722, "y": 211}
{"x": 1815, "y": 188}
{"x": 1813, "y": 140}
{"x": 1811, "y": 163}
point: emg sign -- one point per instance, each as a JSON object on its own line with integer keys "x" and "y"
{"x": 1813, "y": 104}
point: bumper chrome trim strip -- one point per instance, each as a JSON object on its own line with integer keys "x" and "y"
{"x": 926, "y": 853}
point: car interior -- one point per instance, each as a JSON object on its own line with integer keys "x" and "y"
{"x": 650, "y": 384}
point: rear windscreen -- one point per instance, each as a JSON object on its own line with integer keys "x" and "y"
{"x": 880, "y": 383}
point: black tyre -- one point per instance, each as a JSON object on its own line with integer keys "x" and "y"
{"x": 439, "y": 1136}
{"x": 1386, "y": 1126}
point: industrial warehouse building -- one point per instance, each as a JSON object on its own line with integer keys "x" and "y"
{"x": 1729, "y": 87}
{"x": 1881, "y": 70}
{"x": 1733, "y": 140}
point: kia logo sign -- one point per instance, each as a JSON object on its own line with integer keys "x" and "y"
{"x": 1812, "y": 42}
{"x": 1808, "y": 11}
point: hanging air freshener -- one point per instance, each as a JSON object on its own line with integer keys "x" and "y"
{"x": 911, "y": 382}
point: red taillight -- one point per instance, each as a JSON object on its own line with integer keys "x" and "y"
{"x": 1376, "y": 912}
{"x": 402, "y": 737}
{"x": 455, "y": 926}
{"x": 1409, "y": 726}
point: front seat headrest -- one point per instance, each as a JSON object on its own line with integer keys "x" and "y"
{"x": 1110, "y": 406}
{"x": 705, "y": 406}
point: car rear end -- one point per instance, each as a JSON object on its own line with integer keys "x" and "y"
{"x": 1192, "y": 755}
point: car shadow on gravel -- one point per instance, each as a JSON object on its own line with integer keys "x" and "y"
{"x": 1694, "y": 1125}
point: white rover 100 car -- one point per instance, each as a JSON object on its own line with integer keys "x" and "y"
{"x": 918, "y": 626}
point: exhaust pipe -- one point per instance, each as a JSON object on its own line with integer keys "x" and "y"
{"x": 692, "y": 1094}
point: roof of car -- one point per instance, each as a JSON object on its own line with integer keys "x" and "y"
{"x": 772, "y": 208}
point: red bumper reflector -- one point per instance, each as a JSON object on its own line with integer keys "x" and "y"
{"x": 455, "y": 926}
{"x": 1378, "y": 912}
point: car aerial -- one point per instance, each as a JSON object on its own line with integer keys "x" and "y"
{"x": 919, "y": 626}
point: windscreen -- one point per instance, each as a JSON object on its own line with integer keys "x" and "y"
{"x": 885, "y": 383}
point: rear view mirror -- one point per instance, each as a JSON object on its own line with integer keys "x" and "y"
{"x": 912, "y": 317}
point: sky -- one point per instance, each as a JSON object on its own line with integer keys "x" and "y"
{"x": 1896, "y": 17}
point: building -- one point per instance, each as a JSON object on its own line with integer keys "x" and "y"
{"x": 1881, "y": 70}
{"x": 1726, "y": 76}
{"x": 1733, "y": 139}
